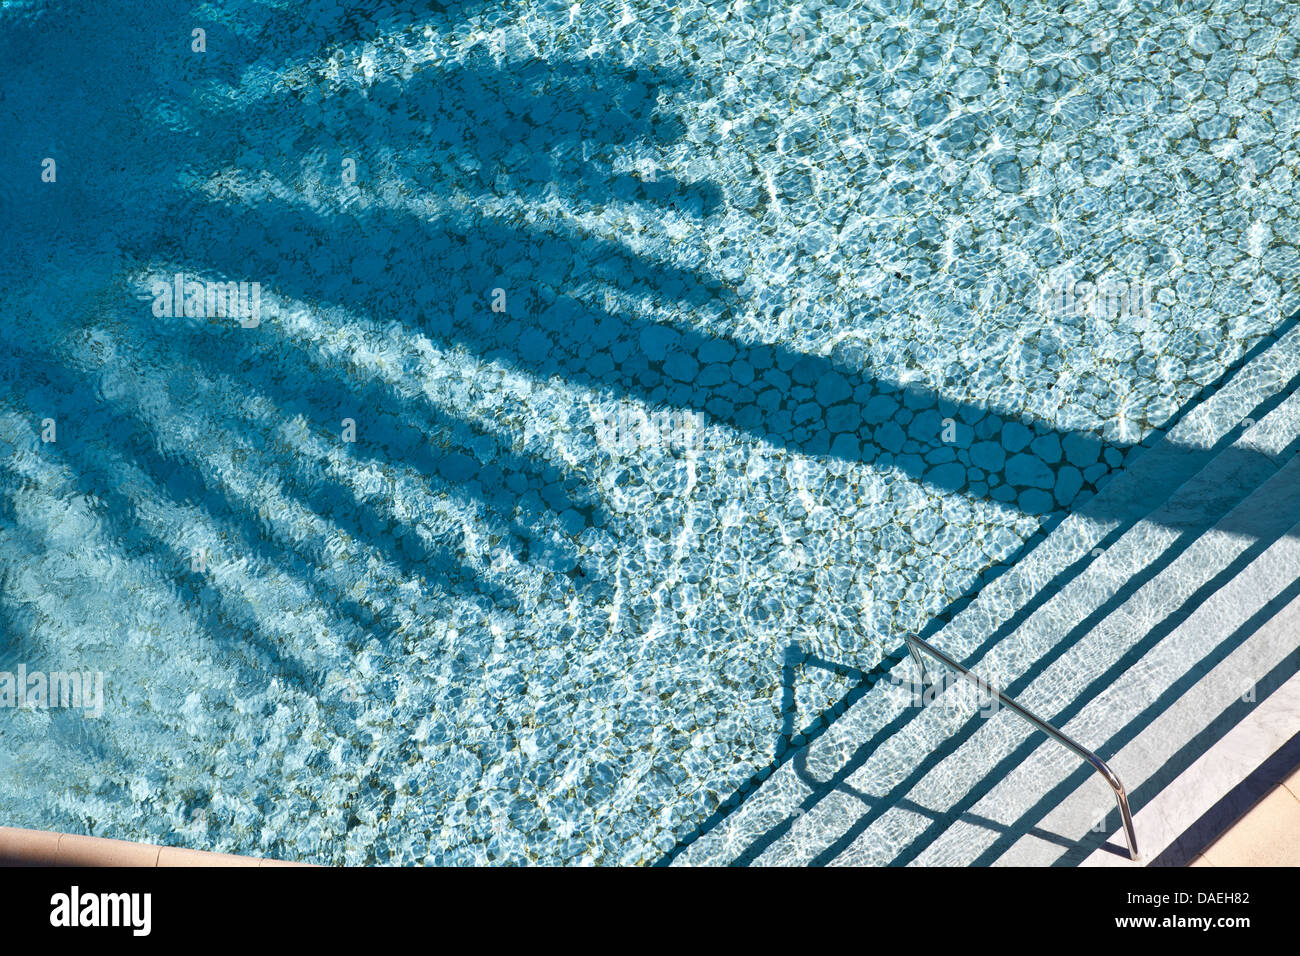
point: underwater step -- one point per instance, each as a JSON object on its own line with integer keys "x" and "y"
{"x": 1242, "y": 647}
{"x": 1137, "y": 668}
{"x": 1260, "y": 754}
{"x": 1219, "y": 452}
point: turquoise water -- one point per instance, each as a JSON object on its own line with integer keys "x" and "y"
{"x": 691, "y": 354}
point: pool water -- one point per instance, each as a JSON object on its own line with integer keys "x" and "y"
{"x": 626, "y": 379}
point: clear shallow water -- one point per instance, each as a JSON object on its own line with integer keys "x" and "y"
{"x": 492, "y": 628}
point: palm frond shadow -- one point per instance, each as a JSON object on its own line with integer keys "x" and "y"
{"x": 452, "y": 161}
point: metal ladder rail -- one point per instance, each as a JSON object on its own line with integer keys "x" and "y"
{"x": 915, "y": 644}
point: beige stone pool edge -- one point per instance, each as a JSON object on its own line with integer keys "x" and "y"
{"x": 44, "y": 848}
{"x": 1267, "y": 835}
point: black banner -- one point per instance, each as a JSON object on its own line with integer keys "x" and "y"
{"x": 858, "y": 908}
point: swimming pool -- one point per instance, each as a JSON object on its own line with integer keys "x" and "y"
{"x": 692, "y": 354}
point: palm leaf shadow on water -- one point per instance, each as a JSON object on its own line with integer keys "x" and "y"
{"x": 517, "y": 121}
{"x": 115, "y": 441}
{"x": 473, "y": 128}
{"x": 380, "y": 263}
{"x": 437, "y": 274}
{"x": 523, "y": 129}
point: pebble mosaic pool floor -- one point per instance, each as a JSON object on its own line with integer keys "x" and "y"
{"x": 693, "y": 354}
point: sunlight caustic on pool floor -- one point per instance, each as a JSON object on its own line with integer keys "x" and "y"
{"x": 775, "y": 375}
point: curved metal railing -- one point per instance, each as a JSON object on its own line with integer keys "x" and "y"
{"x": 915, "y": 644}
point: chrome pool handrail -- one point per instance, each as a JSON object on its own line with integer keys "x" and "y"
{"x": 1121, "y": 797}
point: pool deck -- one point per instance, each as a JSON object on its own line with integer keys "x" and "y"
{"x": 20, "y": 847}
{"x": 1268, "y": 835}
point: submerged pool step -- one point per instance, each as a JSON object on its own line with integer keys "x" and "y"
{"x": 904, "y": 798}
{"x": 1254, "y": 621}
{"x": 1144, "y": 682}
{"x": 1184, "y": 813}
{"x": 1077, "y": 645}
{"x": 852, "y": 786}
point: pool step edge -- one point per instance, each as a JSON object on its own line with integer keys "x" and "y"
{"x": 1243, "y": 631}
{"x": 780, "y": 801}
{"x": 969, "y": 834}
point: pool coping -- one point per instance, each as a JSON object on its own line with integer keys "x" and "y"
{"x": 21, "y": 847}
{"x": 1266, "y": 835}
